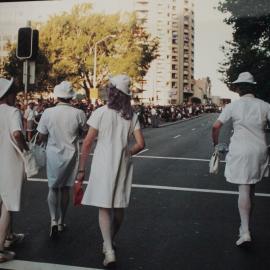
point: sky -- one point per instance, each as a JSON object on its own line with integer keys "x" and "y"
{"x": 210, "y": 34}
{"x": 210, "y": 31}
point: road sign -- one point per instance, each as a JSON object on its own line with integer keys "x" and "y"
{"x": 29, "y": 72}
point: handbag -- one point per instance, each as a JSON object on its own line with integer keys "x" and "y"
{"x": 30, "y": 164}
{"x": 77, "y": 193}
{"x": 38, "y": 150}
{"x": 214, "y": 163}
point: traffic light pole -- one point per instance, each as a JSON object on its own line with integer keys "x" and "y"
{"x": 26, "y": 78}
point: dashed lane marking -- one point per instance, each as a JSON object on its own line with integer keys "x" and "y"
{"x": 202, "y": 190}
{"x": 27, "y": 265}
{"x": 177, "y": 136}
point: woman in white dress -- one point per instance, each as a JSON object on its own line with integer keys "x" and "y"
{"x": 61, "y": 124}
{"x": 11, "y": 166}
{"x": 247, "y": 159}
{"x": 111, "y": 173}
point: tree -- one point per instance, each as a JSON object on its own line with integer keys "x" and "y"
{"x": 68, "y": 40}
{"x": 250, "y": 48}
{"x": 14, "y": 68}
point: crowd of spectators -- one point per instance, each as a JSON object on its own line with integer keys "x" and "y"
{"x": 148, "y": 115}
{"x": 154, "y": 115}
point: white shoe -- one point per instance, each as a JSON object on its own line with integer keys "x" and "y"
{"x": 244, "y": 238}
{"x": 109, "y": 260}
{"x": 14, "y": 239}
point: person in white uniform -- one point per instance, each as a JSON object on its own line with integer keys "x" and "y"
{"x": 247, "y": 159}
{"x": 60, "y": 126}
{"x": 111, "y": 173}
{"x": 29, "y": 116}
{"x": 11, "y": 166}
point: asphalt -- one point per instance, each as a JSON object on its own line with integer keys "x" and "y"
{"x": 189, "y": 225}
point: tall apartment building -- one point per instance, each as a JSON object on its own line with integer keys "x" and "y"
{"x": 170, "y": 78}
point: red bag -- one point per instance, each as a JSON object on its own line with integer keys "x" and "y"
{"x": 77, "y": 193}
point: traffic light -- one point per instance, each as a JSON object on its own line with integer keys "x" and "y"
{"x": 34, "y": 44}
{"x": 27, "y": 45}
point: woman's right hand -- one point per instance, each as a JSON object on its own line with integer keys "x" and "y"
{"x": 80, "y": 176}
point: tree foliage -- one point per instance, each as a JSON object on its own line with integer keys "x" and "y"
{"x": 14, "y": 68}
{"x": 68, "y": 41}
{"x": 250, "y": 48}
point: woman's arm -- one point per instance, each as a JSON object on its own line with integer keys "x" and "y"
{"x": 215, "y": 131}
{"x": 139, "y": 145}
{"x": 42, "y": 138}
{"x": 18, "y": 136}
{"x": 86, "y": 147}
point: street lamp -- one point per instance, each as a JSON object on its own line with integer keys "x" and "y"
{"x": 95, "y": 58}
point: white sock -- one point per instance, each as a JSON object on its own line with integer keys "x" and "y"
{"x": 105, "y": 227}
{"x": 53, "y": 203}
{"x": 244, "y": 206}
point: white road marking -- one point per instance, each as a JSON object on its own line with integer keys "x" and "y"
{"x": 196, "y": 190}
{"x": 194, "y": 129}
{"x": 144, "y": 150}
{"x": 172, "y": 188}
{"x": 176, "y": 136}
{"x": 177, "y": 158}
{"x": 27, "y": 265}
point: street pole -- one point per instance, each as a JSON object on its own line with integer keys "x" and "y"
{"x": 95, "y": 67}
{"x": 26, "y": 74}
{"x": 26, "y": 71}
{"x": 95, "y": 59}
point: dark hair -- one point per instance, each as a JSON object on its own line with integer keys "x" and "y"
{"x": 64, "y": 100}
{"x": 120, "y": 102}
{"x": 245, "y": 88}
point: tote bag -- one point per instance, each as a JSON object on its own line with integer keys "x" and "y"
{"x": 214, "y": 163}
{"x": 30, "y": 164}
{"x": 38, "y": 151}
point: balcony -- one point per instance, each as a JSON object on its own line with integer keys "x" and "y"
{"x": 186, "y": 31}
{"x": 142, "y": 2}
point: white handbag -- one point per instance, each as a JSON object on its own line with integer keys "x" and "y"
{"x": 214, "y": 163}
{"x": 39, "y": 151}
{"x": 30, "y": 164}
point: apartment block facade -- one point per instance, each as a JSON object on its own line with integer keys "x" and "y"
{"x": 170, "y": 79}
